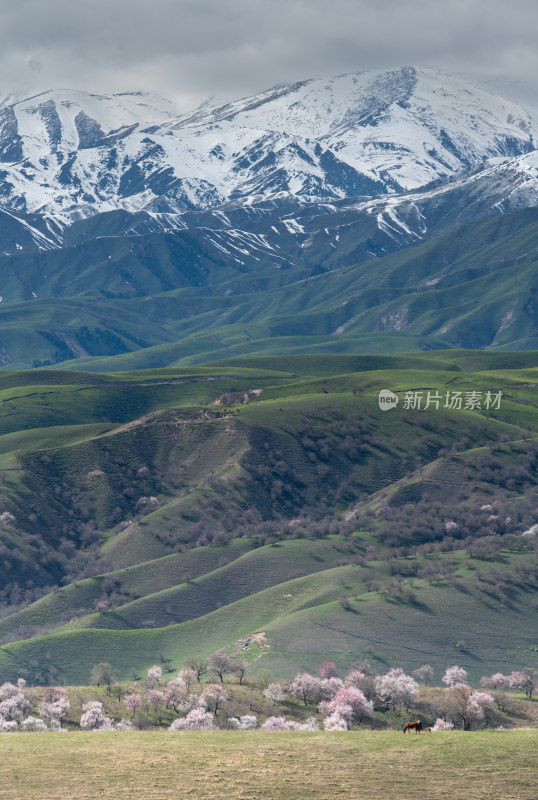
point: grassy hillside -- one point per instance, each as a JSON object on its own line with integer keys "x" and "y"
{"x": 332, "y": 612}
{"x": 119, "y": 302}
{"x": 183, "y": 510}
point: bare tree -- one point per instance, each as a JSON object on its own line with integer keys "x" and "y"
{"x": 424, "y": 674}
{"x": 219, "y": 664}
{"x": 198, "y": 666}
{"x": 238, "y": 667}
{"x": 103, "y": 674}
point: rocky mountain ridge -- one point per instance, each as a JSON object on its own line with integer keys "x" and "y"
{"x": 72, "y": 154}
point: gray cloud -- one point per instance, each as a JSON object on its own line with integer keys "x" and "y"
{"x": 190, "y": 49}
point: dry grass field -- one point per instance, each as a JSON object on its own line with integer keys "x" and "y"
{"x": 239, "y": 765}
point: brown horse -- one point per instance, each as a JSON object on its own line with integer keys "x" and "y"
{"x": 413, "y": 726}
{"x": 427, "y": 730}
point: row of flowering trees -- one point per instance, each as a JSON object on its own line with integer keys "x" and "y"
{"x": 341, "y": 703}
{"x": 524, "y": 680}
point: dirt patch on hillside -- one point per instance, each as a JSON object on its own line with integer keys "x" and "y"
{"x": 237, "y": 398}
{"x": 259, "y": 639}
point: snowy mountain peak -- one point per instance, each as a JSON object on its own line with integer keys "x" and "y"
{"x": 358, "y": 134}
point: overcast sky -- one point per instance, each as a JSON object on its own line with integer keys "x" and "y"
{"x": 188, "y": 50}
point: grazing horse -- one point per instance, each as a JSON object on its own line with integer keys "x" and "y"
{"x": 412, "y": 726}
{"x": 427, "y": 730}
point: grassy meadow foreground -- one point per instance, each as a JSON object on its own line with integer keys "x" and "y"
{"x": 236, "y": 764}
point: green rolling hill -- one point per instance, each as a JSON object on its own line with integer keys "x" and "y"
{"x": 269, "y": 507}
{"x": 134, "y": 301}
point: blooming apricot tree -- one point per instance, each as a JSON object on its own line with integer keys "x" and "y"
{"x": 454, "y": 675}
{"x": 305, "y": 687}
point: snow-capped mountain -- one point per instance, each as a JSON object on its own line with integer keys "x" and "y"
{"x": 124, "y": 225}
{"x": 368, "y": 134}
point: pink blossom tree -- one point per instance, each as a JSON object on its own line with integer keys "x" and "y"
{"x": 355, "y": 678}
{"x": 187, "y": 678}
{"x": 214, "y": 697}
{"x": 495, "y": 681}
{"x": 328, "y": 669}
{"x": 353, "y": 698}
{"x": 132, "y": 701}
{"x": 157, "y": 701}
{"x": 525, "y": 680}
{"x": 328, "y": 687}
{"x": 238, "y": 667}
{"x": 219, "y": 665}
{"x": 174, "y": 695}
{"x": 305, "y": 687}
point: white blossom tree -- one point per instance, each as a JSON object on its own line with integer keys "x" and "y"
{"x": 54, "y": 707}
{"x": 245, "y": 723}
{"x": 395, "y": 688}
{"x": 186, "y": 677}
{"x": 196, "y": 720}
{"x": 454, "y": 675}
{"x": 93, "y": 718}
{"x": 154, "y": 676}
{"x": 14, "y": 707}
{"x": 124, "y": 725}
{"x": 464, "y": 705}
{"x": 283, "y": 724}
{"x": 339, "y": 718}
{"x": 442, "y": 725}
{"x": 274, "y": 693}
{"x": 33, "y": 724}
